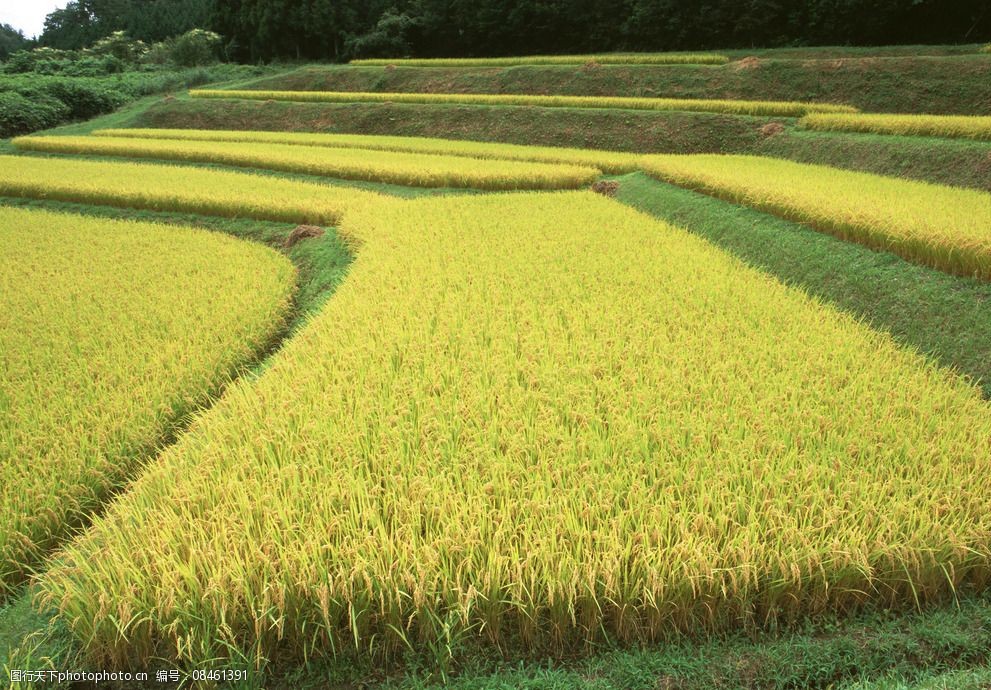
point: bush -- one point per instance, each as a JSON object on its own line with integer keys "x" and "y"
{"x": 85, "y": 99}
{"x": 389, "y": 38}
{"x": 118, "y": 45}
{"x": 20, "y": 115}
{"x": 986, "y": 49}
{"x": 195, "y": 48}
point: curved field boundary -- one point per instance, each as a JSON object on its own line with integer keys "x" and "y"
{"x": 949, "y": 126}
{"x": 411, "y": 169}
{"x": 111, "y": 333}
{"x": 777, "y": 108}
{"x": 938, "y": 226}
{"x": 159, "y": 187}
{"x": 948, "y": 228}
{"x": 501, "y": 427}
{"x": 604, "y": 59}
{"x": 611, "y": 162}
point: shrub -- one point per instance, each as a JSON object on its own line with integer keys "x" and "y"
{"x": 195, "y": 48}
{"x": 986, "y": 49}
{"x": 84, "y": 98}
{"x": 19, "y": 115}
{"x": 121, "y": 47}
{"x": 389, "y": 37}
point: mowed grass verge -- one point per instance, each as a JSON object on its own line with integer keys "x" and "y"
{"x": 111, "y": 334}
{"x": 952, "y": 126}
{"x": 606, "y": 161}
{"x": 500, "y": 428}
{"x": 413, "y": 169}
{"x": 944, "y": 227}
{"x": 777, "y": 108}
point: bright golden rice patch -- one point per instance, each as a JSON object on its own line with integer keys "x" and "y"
{"x": 948, "y": 228}
{"x": 110, "y": 334}
{"x": 535, "y": 418}
{"x": 411, "y": 169}
{"x": 778, "y": 108}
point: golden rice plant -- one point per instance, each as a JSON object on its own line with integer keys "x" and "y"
{"x": 773, "y": 108}
{"x": 948, "y": 228}
{"x": 111, "y": 333}
{"x": 611, "y": 162}
{"x": 953, "y": 126}
{"x": 529, "y": 419}
{"x": 413, "y": 169}
{"x": 526, "y": 60}
{"x": 178, "y": 188}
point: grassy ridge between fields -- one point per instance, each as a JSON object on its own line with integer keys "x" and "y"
{"x": 602, "y": 59}
{"x": 387, "y": 491}
{"x": 414, "y": 169}
{"x": 779, "y": 108}
{"x": 938, "y": 226}
{"x": 957, "y": 162}
{"x": 954, "y": 126}
{"x": 112, "y": 333}
{"x": 958, "y": 85}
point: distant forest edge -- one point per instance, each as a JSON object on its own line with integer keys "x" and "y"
{"x": 258, "y": 30}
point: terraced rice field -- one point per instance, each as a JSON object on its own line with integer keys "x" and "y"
{"x": 537, "y": 420}
{"x": 412, "y": 169}
{"x": 500, "y": 425}
{"x": 159, "y": 187}
{"x": 952, "y": 126}
{"x": 610, "y": 162}
{"x": 776, "y": 108}
{"x": 529, "y": 60}
{"x": 111, "y": 334}
{"x": 943, "y": 227}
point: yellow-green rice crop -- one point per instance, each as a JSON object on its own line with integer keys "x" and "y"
{"x": 944, "y": 227}
{"x": 111, "y": 333}
{"x": 604, "y": 59}
{"x": 612, "y": 162}
{"x": 533, "y": 418}
{"x": 954, "y": 126}
{"x": 776, "y": 108}
{"x": 178, "y": 188}
{"x": 414, "y": 169}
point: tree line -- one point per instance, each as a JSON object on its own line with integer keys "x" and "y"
{"x": 257, "y": 30}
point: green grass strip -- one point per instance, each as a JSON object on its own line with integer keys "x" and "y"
{"x": 944, "y": 227}
{"x": 604, "y": 59}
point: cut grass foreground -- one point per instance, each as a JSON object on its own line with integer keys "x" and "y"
{"x": 556, "y": 451}
{"x": 112, "y": 334}
{"x": 938, "y": 226}
{"x": 413, "y": 169}
{"x": 606, "y": 161}
{"x": 601, "y": 59}
{"x": 953, "y": 126}
{"x": 777, "y": 108}
{"x": 157, "y": 187}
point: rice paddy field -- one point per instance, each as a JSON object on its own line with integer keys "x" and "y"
{"x": 297, "y": 392}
